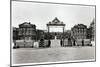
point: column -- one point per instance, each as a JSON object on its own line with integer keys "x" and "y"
{"x": 48, "y": 32}
{"x": 63, "y": 32}
{"x": 63, "y": 36}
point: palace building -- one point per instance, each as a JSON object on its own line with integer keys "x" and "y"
{"x": 27, "y": 31}
{"x": 91, "y": 31}
{"x": 26, "y": 35}
{"x": 92, "y": 26}
{"x": 79, "y": 31}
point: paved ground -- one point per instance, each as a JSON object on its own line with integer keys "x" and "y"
{"x": 33, "y": 55}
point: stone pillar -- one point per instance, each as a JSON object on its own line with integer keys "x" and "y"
{"x": 48, "y": 32}
{"x": 63, "y": 32}
{"x": 55, "y": 37}
{"x": 63, "y": 37}
{"x": 48, "y": 29}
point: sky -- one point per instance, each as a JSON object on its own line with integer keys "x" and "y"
{"x": 41, "y": 13}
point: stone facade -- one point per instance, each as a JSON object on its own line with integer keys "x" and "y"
{"x": 26, "y": 35}
{"x": 91, "y": 31}
{"x": 79, "y": 31}
{"x": 27, "y": 31}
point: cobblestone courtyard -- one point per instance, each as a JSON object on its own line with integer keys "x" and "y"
{"x": 37, "y": 55}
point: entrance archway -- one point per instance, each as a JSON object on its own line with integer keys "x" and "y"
{"x": 56, "y": 29}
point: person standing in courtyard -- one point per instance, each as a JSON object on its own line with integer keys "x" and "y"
{"x": 61, "y": 43}
{"x": 82, "y": 42}
{"x": 49, "y": 43}
{"x": 74, "y": 43}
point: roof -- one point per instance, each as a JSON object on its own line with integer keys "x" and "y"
{"x": 56, "y": 22}
{"x": 80, "y": 26}
{"x": 26, "y": 24}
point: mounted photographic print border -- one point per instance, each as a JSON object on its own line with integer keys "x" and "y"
{"x": 55, "y": 33}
